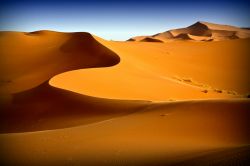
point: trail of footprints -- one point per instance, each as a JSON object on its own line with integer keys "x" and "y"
{"x": 207, "y": 88}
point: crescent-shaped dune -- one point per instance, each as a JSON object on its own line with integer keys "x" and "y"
{"x": 28, "y": 59}
{"x": 29, "y": 103}
{"x": 138, "y": 103}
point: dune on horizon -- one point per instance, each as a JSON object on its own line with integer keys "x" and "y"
{"x": 200, "y": 31}
{"x": 75, "y": 98}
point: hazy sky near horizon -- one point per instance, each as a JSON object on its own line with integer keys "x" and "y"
{"x": 119, "y": 20}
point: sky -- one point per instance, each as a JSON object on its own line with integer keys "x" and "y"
{"x": 119, "y": 20}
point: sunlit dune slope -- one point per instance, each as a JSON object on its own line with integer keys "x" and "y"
{"x": 28, "y": 59}
{"x": 163, "y": 71}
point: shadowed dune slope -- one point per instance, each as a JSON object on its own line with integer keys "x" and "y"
{"x": 162, "y": 133}
{"x": 45, "y": 107}
{"x": 145, "y": 39}
{"x": 148, "y": 39}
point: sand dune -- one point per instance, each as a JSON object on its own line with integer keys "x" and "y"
{"x": 149, "y": 39}
{"x": 201, "y": 31}
{"x": 165, "y": 71}
{"x": 38, "y": 56}
{"x": 110, "y": 114}
{"x": 28, "y": 103}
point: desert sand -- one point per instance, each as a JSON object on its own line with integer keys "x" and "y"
{"x": 200, "y": 31}
{"x": 77, "y": 99}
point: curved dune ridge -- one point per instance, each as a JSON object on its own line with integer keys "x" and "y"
{"x": 112, "y": 109}
{"x": 28, "y": 102}
{"x": 29, "y": 59}
{"x": 200, "y": 31}
{"x": 171, "y": 71}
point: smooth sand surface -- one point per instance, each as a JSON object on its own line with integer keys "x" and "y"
{"x": 165, "y": 133}
{"x": 123, "y": 112}
{"x": 166, "y": 71}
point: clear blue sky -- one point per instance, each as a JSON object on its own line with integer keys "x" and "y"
{"x": 119, "y": 20}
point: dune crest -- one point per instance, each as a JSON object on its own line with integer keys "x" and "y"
{"x": 40, "y": 55}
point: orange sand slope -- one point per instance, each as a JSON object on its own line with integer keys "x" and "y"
{"x": 28, "y": 103}
{"x": 28, "y": 59}
{"x": 200, "y": 31}
{"x": 166, "y": 133}
{"x": 81, "y": 129}
{"x": 163, "y": 71}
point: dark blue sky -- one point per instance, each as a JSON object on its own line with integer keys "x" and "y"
{"x": 119, "y": 20}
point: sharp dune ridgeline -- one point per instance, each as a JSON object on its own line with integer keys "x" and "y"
{"x": 77, "y": 99}
{"x": 200, "y": 31}
{"x": 28, "y": 59}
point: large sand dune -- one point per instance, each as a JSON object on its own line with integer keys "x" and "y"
{"x": 163, "y": 71}
{"x": 110, "y": 114}
{"x": 28, "y": 59}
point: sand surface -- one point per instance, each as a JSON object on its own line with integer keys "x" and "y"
{"x": 129, "y": 103}
{"x": 163, "y": 71}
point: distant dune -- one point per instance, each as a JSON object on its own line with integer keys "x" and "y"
{"x": 77, "y": 99}
{"x": 149, "y": 39}
{"x": 201, "y": 31}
